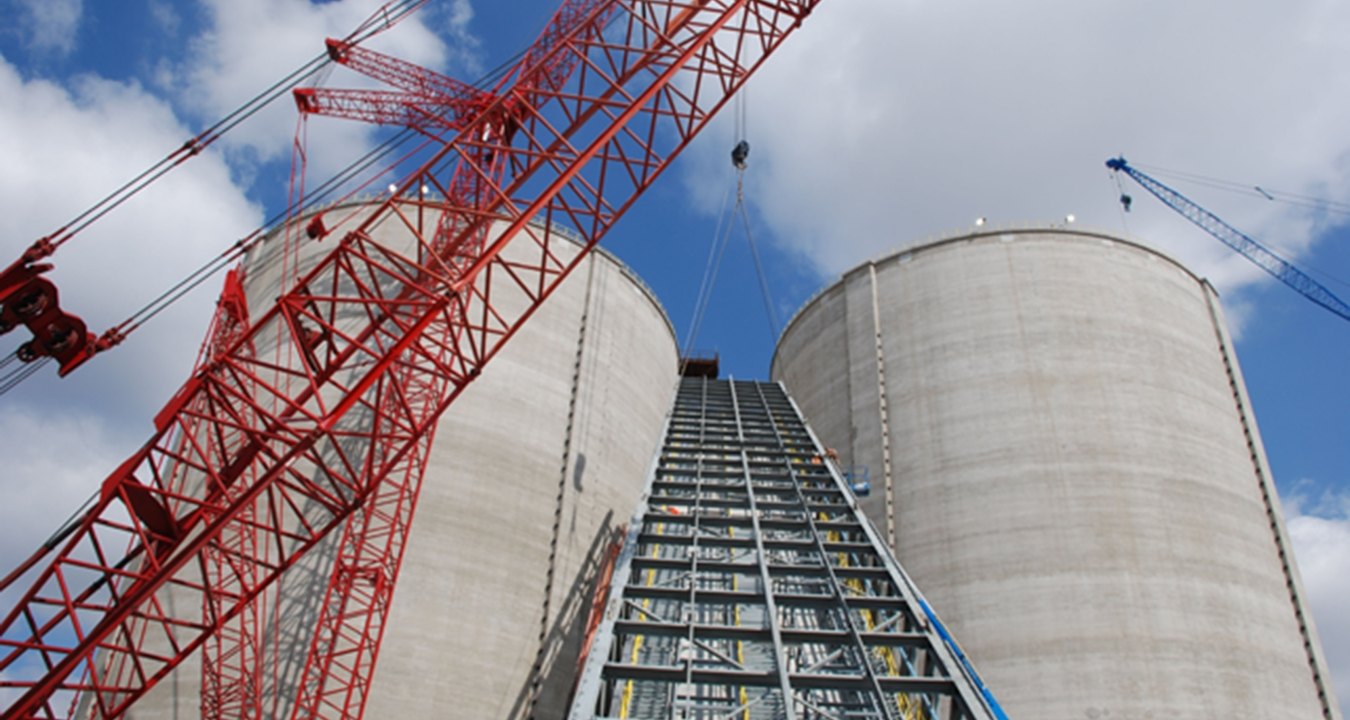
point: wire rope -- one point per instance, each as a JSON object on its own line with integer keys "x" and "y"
{"x": 378, "y": 23}
{"x": 1303, "y": 201}
{"x": 742, "y": 122}
{"x": 770, "y": 313}
{"x": 718, "y": 248}
{"x": 1290, "y": 198}
{"x": 14, "y": 378}
{"x": 715, "y": 252}
{"x": 1125, "y": 200}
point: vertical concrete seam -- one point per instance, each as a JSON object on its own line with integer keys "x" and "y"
{"x": 1265, "y": 484}
{"x": 536, "y": 673}
{"x": 853, "y": 454}
{"x": 883, "y": 412}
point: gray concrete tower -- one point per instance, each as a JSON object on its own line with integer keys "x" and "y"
{"x": 533, "y": 471}
{"x": 1062, "y": 451}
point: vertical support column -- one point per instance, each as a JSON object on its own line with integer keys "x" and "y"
{"x": 541, "y": 659}
{"x": 888, "y": 484}
{"x": 1279, "y": 535}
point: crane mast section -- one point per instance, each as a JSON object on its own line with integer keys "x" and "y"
{"x": 373, "y": 345}
{"x": 1258, "y": 254}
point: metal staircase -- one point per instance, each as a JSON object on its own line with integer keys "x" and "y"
{"x": 751, "y": 588}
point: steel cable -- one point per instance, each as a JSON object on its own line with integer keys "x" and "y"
{"x": 772, "y": 315}
{"x": 715, "y": 253}
{"x": 1305, "y": 201}
{"x": 15, "y": 377}
{"x": 382, "y": 20}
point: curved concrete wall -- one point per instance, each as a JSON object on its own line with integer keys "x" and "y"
{"x": 533, "y": 470}
{"x": 1060, "y": 446}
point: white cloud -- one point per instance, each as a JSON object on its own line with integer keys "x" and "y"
{"x": 1321, "y": 536}
{"x": 64, "y": 148}
{"x": 887, "y": 122}
{"x": 165, "y": 17}
{"x": 463, "y": 48}
{"x": 55, "y": 459}
{"x": 50, "y": 25}
{"x": 251, "y": 44}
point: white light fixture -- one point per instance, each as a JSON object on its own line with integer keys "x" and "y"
{"x": 392, "y": 188}
{"x": 1069, "y": 218}
{"x": 979, "y": 222}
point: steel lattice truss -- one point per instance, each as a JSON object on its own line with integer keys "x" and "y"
{"x": 261, "y": 455}
{"x": 1259, "y": 255}
{"x": 752, "y": 587}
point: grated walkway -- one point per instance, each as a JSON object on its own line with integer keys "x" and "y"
{"x": 751, "y": 588}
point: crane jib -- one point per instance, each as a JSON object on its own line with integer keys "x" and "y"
{"x": 1258, "y": 254}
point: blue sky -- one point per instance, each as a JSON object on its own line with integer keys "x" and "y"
{"x": 882, "y": 124}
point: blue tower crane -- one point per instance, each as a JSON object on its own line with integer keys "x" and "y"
{"x": 1254, "y": 251}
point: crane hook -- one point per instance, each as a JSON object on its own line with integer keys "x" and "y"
{"x": 739, "y": 154}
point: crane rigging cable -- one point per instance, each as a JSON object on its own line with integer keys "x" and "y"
{"x": 740, "y": 154}
{"x": 769, "y": 311}
{"x": 715, "y": 252}
{"x": 1270, "y": 194}
{"x": 15, "y": 377}
{"x": 383, "y": 19}
{"x": 726, "y": 221}
{"x": 235, "y": 252}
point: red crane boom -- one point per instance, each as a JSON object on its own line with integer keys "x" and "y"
{"x": 345, "y": 641}
{"x": 379, "y": 343}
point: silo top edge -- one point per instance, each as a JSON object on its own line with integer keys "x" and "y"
{"x": 982, "y": 234}
{"x": 558, "y": 229}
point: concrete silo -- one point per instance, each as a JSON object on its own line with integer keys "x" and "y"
{"x": 1061, "y": 448}
{"x": 533, "y": 470}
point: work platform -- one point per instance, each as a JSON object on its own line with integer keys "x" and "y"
{"x": 750, "y": 587}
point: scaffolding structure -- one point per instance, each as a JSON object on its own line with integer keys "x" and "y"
{"x": 751, "y": 587}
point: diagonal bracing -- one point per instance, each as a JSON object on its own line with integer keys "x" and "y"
{"x": 752, "y": 588}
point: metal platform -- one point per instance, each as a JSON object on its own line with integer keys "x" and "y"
{"x": 751, "y": 588}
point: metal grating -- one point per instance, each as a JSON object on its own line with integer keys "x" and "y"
{"x": 751, "y": 588}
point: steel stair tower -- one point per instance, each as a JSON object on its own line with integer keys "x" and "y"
{"x": 750, "y": 586}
